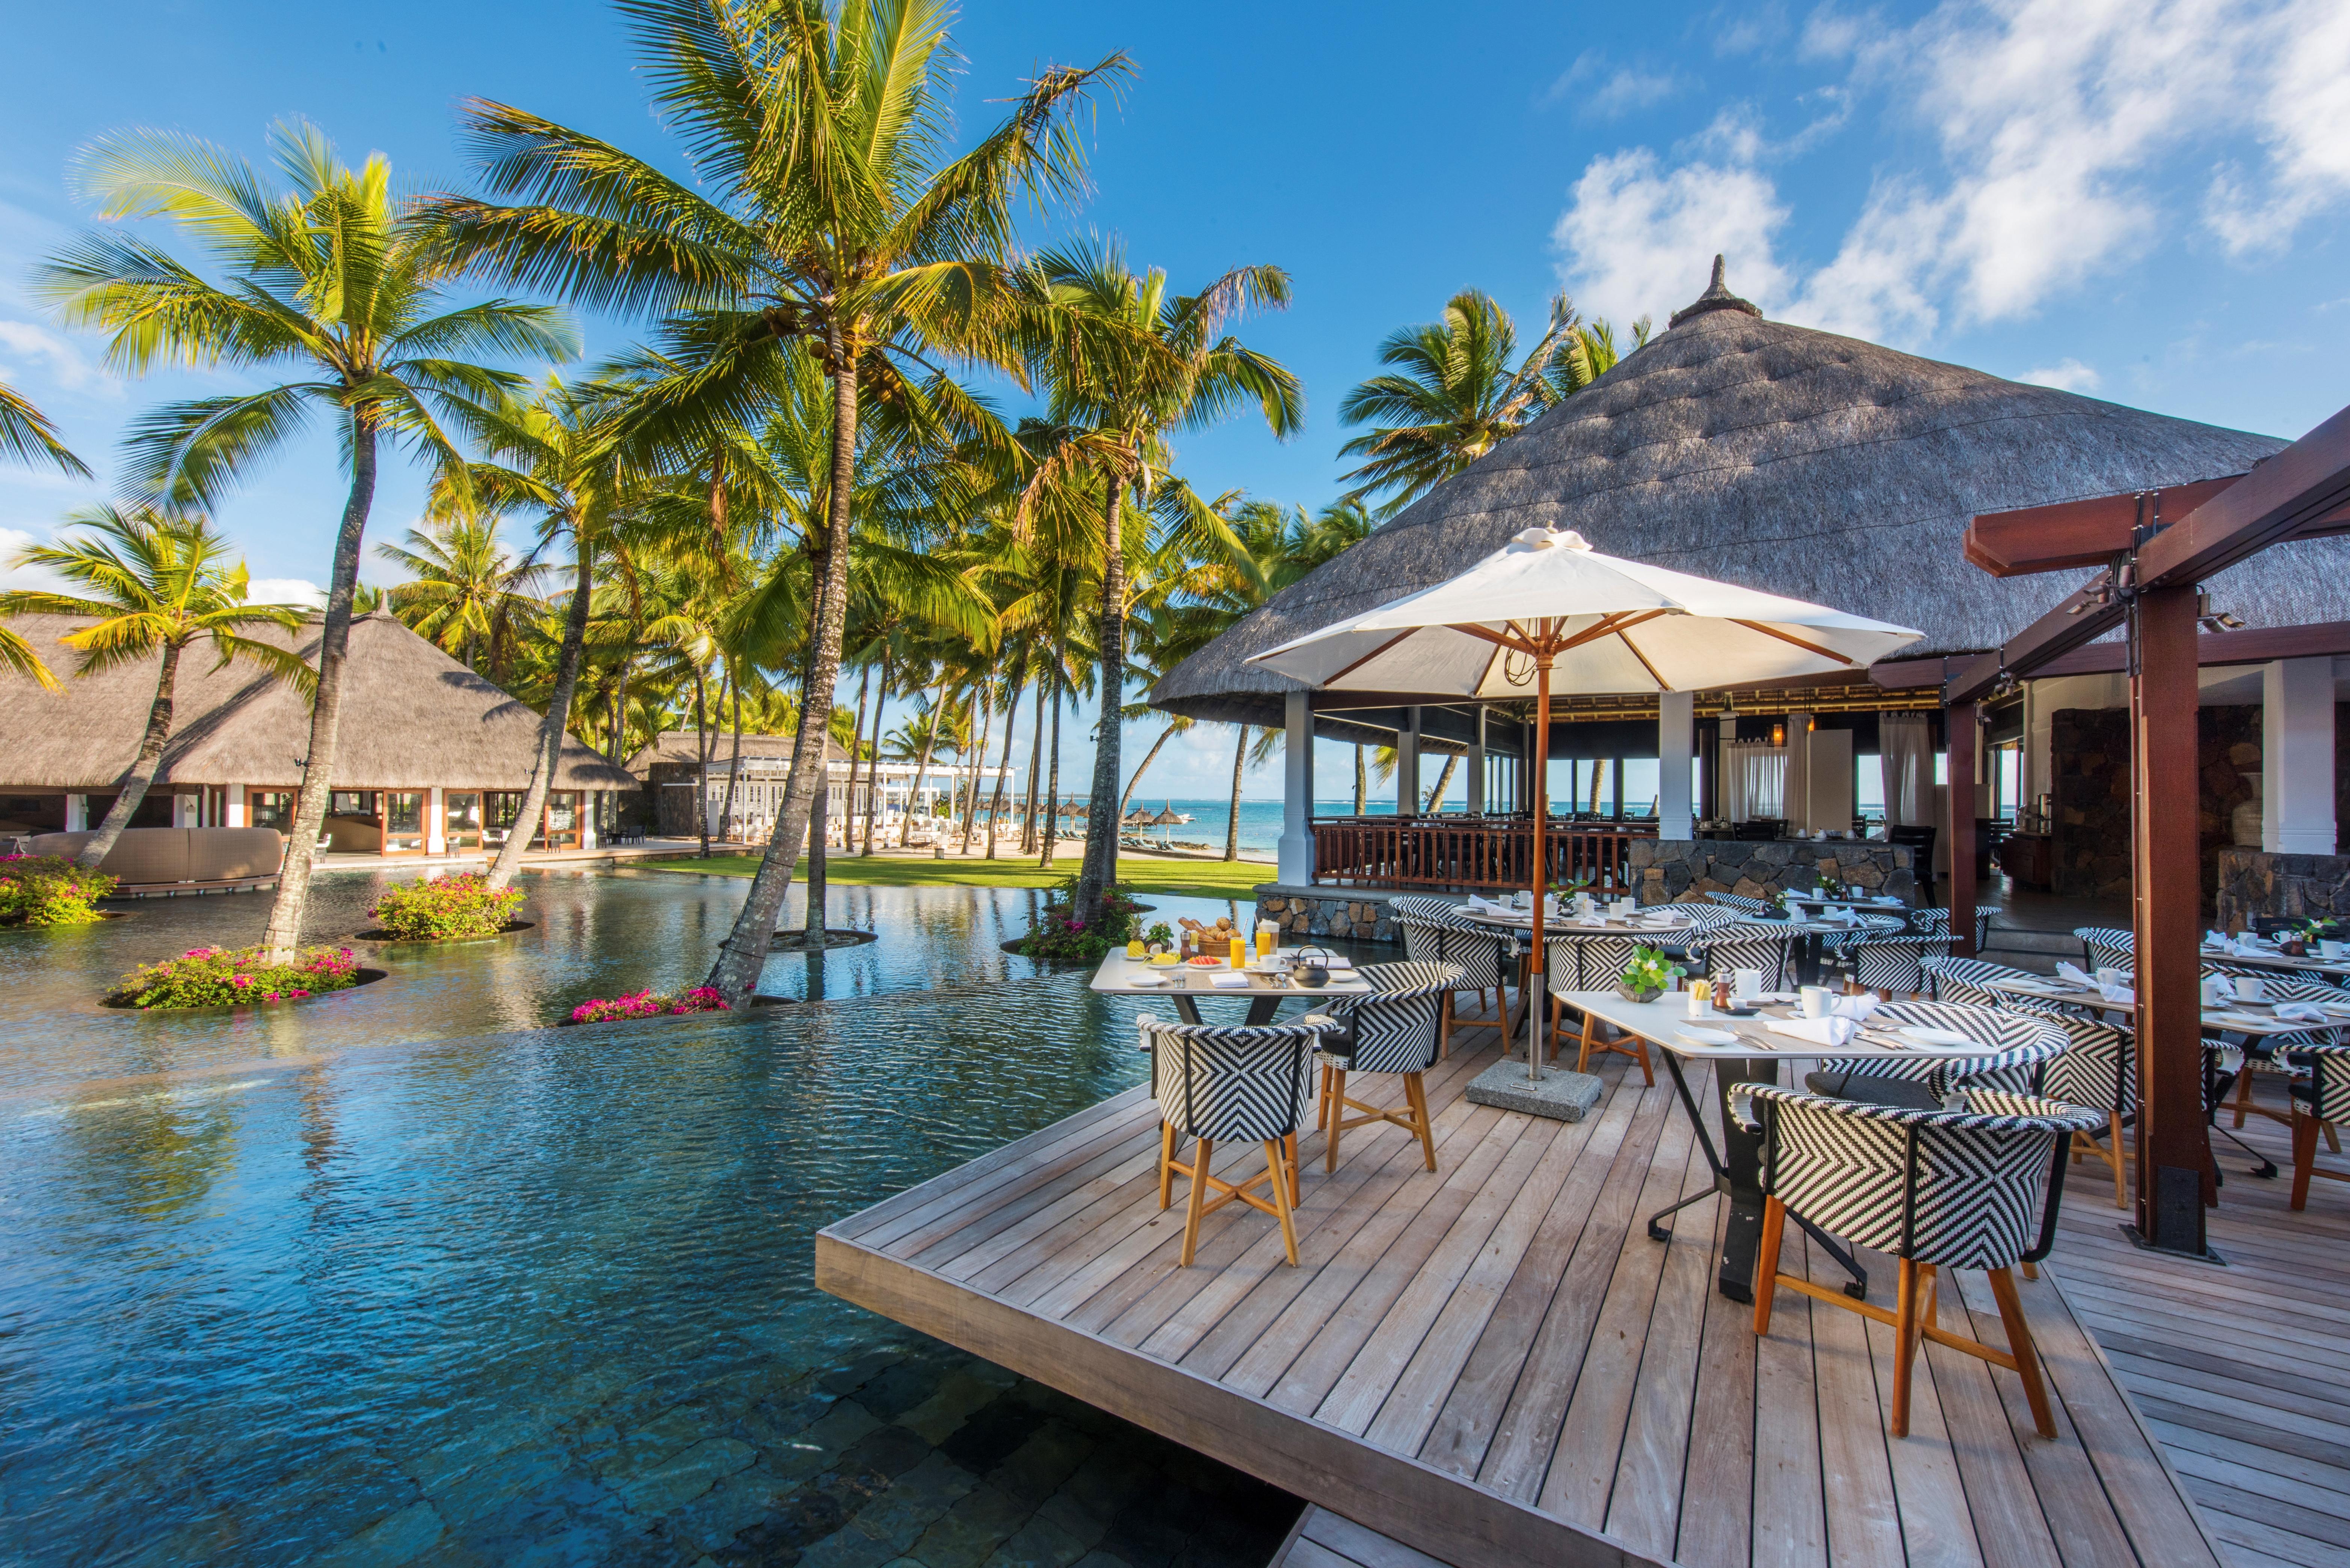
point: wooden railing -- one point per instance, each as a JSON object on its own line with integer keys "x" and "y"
{"x": 1454, "y": 852}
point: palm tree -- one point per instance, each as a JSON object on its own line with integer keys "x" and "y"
{"x": 155, "y": 583}
{"x": 1129, "y": 364}
{"x": 27, "y": 435}
{"x": 328, "y": 274}
{"x": 1452, "y": 394}
{"x": 466, "y": 593}
{"x": 833, "y": 217}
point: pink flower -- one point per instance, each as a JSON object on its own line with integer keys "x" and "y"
{"x": 273, "y": 996}
{"x": 241, "y": 980}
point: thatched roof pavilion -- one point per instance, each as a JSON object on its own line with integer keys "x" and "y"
{"x": 1787, "y": 460}
{"x": 412, "y": 715}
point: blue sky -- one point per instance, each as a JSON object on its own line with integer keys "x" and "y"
{"x": 2145, "y": 201}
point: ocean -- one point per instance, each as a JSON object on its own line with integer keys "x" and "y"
{"x": 1260, "y": 821}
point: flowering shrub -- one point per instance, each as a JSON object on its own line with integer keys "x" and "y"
{"x": 234, "y": 977}
{"x": 645, "y": 1005}
{"x": 49, "y": 890}
{"x": 1059, "y": 937}
{"x": 445, "y": 909}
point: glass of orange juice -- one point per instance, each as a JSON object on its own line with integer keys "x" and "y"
{"x": 1240, "y": 950}
{"x": 1268, "y": 937}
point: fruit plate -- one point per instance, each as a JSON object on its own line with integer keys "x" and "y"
{"x": 1204, "y": 961}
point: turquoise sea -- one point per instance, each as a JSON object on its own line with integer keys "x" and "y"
{"x": 1260, "y": 831}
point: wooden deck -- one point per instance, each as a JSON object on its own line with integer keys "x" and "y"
{"x": 1494, "y": 1364}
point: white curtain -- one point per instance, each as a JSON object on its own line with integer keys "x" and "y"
{"x": 1754, "y": 780}
{"x": 1904, "y": 747}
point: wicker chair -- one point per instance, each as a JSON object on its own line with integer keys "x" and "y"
{"x": 1969, "y": 980}
{"x": 1741, "y": 902}
{"x": 1896, "y": 966}
{"x": 1474, "y": 950}
{"x": 1597, "y": 963}
{"x": 2017, "y": 1050}
{"x": 1393, "y": 1029}
{"x": 2108, "y": 947}
{"x": 2323, "y": 1102}
{"x": 1219, "y": 1085}
{"x": 1973, "y": 1188}
{"x": 2098, "y": 1072}
{"x": 1729, "y": 948}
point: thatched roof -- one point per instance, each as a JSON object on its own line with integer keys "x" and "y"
{"x": 1791, "y": 460}
{"x": 679, "y": 746}
{"x": 412, "y": 717}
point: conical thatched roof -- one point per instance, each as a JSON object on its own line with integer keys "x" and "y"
{"x": 1795, "y": 462}
{"x": 412, "y": 717}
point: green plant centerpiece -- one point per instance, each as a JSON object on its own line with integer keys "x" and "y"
{"x": 49, "y": 890}
{"x": 1059, "y": 936}
{"x": 233, "y": 976}
{"x": 1646, "y": 977}
{"x": 445, "y": 909}
{"x": 1160, "y": 938}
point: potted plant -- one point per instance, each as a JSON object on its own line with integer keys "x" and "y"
{"x": 1159, "y": 939}
{"x": 1647, "y": 976}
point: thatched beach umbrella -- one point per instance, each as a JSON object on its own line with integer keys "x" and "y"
{"x": 1549, "y": 605}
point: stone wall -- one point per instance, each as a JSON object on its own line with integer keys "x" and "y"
{"x": 1671, "y": 870}
{"x": 2299, "y": 887}
{"x": 2089, "y": 841}
{"x": 1355, "y": 914}
{"x": 2228, "y": 746}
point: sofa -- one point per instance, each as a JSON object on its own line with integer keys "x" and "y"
{"x": 148, "y": 856}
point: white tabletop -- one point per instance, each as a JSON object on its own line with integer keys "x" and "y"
{"x": 1847, "y": 901}
{"x": 2273, "y": 960}
{"x": 1666, "y": 1022}
{"x": 2235, "y": 1018}
{"x": 1122, "y": 976}
{"x": 1571, "y": 926}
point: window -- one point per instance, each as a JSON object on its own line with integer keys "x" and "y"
{"x": 270, "y": 808}
{"x": 1868, "y": 786}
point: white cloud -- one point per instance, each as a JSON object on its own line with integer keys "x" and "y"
{"x": 2065, "y": 376}
{"x": 284, "y": 591}
{"x": 2059, "y": 125}
{"x": 24, "y": 343}
{"x": 13, "y": 541}
{"x": 1604, "y": 89}
{"x": 1636, "y": 236}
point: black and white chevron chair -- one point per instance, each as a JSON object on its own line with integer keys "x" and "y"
{"x": 1969, "y": 980}
{"x": 1419, "y": 907}
{"x": 1729, "y": 948}
{"x": 2017, "y": 1049}
{"x": 1475, "y": 950}
{"x": 1740, "y": 902}
{"x": 1599, "y": 962}
{"x": 2108, "y": 947}
{"x": 1230, "y": 1085}
{"x": 1393, "y": 1029}
{"x": 1895, "y": 966}
{"x": 1840, "y": 945}
{"x": 1972, "y": 1189}
{"x": 2097, "y": 1072}
{"x": 2322, "y": 1102}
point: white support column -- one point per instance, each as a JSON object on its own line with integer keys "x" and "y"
{"x": 1799, "y": 772}
{"x": 1407, "y": 766}
{"x": 436, "y": 819}
{"x": 77, "y": 813}
{"x": 1476, "y": 767}
{"x": 1675, "y": 715}
{"x": 237, "y": 816}
{"x": 184, "y": 812}
{"x": 1295, "y": 860}
{"x": 588, "y": 815}
{"x": 2297, "y": 756}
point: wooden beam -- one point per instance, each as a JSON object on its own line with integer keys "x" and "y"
{"x": 2174, "y": 1155}
{"x": 2304, "y": 486}
{"x": 2081, "y": 619}
{"x": 2070, "y": 535}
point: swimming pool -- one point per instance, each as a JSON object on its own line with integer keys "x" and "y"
{"x": 386, "y": 1279}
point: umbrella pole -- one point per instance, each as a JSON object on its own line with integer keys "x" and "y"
{"x": 1538, "y": 1003}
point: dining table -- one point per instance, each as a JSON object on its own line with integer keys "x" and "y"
{"x": 1264, "y": 987}
{"x": 1655, "y": 921}
{"x": 1747, "y": 1050}
{"x": 2264, "y": 957}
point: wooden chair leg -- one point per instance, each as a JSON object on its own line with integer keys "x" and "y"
{"x": 1280, "y": 1185}
{"x": 1583, "y": 1057}
{"x": 1766, "y": 1262}
{"x": 2114, "y": 1157}
{"x": 1296, "y": 1191}
{"x": 1165, "y": 1165}
{"x": 2020, "y": 1345}
{"x": 1321, "y": 1104}
{"x": 1198, "y": 1199}
{"x": 1444, "y": 1029}
{"x": 2304, "y": 1155}
{"x": 1640, "y": 1054}
{"x": 1905, "y": 1348}
{"x": 1337, "y": 1118}
{"x": 1415, "y": 1093}
{"x": 2030, "y": 1270}
{"x": 2243, "y": 1090}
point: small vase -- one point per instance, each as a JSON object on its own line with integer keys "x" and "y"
{"x": 1629, "y": 994}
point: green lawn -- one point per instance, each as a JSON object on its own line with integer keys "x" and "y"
{"x": 1176, "y": 878}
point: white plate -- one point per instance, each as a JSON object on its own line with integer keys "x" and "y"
{"x": 1150, "y": 981}
{"x": 1709, "y": 1036}
{"x": 1925, "y": 1036}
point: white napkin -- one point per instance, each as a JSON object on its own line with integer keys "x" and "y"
{"x": 1851, "y": 1006}
{"x": 2300, "y": 1012}
{"x": 1819, "y": 1030}
{"x": 2076, "y": 974}
{"x": 2215, "y": 938}
{"x": 1487, "y": 907}
{"x": 1229, "y": 981}
{"x": 2216, "y": 990}
{"x": 2121, "y": 993}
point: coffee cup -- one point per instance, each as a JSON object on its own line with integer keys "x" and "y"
{"x": 1814, "y": 1001}
{"x": 2327, "y": 948}
{"x": 2248, "y": 988}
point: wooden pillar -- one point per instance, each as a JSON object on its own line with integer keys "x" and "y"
{"x": 2174, "y": 1154}
{"x": 1965, "y": 739}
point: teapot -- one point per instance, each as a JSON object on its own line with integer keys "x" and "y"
{"x": 1313, "y": 967}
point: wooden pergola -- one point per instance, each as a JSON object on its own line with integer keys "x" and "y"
{"x": 2153, "y": 550}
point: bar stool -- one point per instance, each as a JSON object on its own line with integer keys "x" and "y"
{"x": 1393, "y": 1029}
{"x": 1973, "y": 1188}
{"x": 1221, "y": 1085}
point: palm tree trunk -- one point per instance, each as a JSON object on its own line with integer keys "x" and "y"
{"x": 1004, "y": 764}
{"x": 1052, "y": 786}
{"x": 1126, "y": 801}
{"x": 1362, "y": 782}
{"x": 141, "y": 776}
{"x": 1099, "y": 869}
{"x": 284, "y": 932}
{"x": 1035, "y": 772}
{"x": 1232, "y": 823}
{"x": 734, "y": 771}
{"x": 745, "y": 953}
{"x": 855, "y": 751}
{"x": 619, "y": 752}
{"x": 922, "y": 764}
{"x": 552, "y": 724}
{"x": 873, "y": 774}
{"x": 1443, "y": 782}
{"x": 701, "y": 761}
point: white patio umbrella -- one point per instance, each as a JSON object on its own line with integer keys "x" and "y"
{"x": 1548, "y": 612}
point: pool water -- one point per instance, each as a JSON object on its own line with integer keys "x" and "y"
{"x": 397, "y": 1277}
